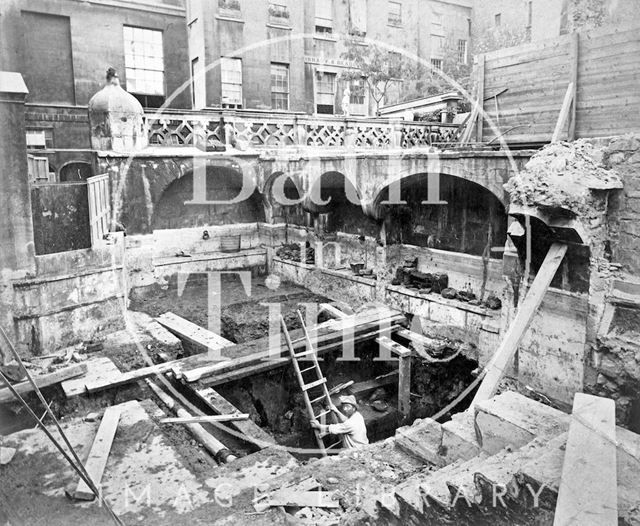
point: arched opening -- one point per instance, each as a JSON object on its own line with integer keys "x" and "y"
{"x": 75, "y": 171}
{"x": 574, "y": 272}
{"x": 222, "y": 184}
{"x": 281, "y": 212}
{"x": 472, "y": 219}
{"x": 340, "y": 214}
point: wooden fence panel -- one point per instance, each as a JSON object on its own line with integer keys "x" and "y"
{"x": 604, "y": 66}
{"x": 99, "y": 208}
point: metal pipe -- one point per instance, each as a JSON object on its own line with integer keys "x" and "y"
{"x": 212, "y": 445}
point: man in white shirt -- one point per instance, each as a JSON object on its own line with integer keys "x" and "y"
{"x": 351, "y": 427}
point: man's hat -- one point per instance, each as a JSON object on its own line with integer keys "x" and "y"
{"x": 348, "y": 399}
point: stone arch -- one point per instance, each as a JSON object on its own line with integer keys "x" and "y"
{"x": 343, "y": 211}
{"x": 489, "y": 173}
{"x": 75, "y": 171}
{"x": 460, "y": 223}
{"x": 223, "y": 183}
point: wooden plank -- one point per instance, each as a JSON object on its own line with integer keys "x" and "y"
{"x": 248, "y": 428}
{"x": 99, "y": 453}
{"x": 495, "y": 369}
{"x": 111, "y": 376}
{"x": 394, "y": 347}
{"x": 200, "y": 337}
{"x": 267, "y": 365}
{"x": 130, "y": 376}
{"x": 421, "y": 343}
{"x": 588, "y": 493}
{"x": 98, "y": 369}
{"x": 332, "y": 310}
{"x": 361, "y": 388}
{"x": 321, "y": 336}
{"x": 203, "y": 419}
{"x": 313, "y": 499}
{"x": 540, "y": 46}
{"x": 564, "y": 112}
{"x": 44, "y": 380}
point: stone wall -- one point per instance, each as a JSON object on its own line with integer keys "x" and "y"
{"x": 614, "y": 366}
{"x": 72, "y": 297}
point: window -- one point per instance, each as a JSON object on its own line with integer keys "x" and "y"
{"x": 358, "y": 17}
{"x": 39, "y": 139}
{"x": 436, "y": 64}
{"x": 325, "y": 92}
{"x": 358, "y": 92}
{"x": 497, "y": 19}
{"x": 324, "y": 16}
{"x": 280, "y": 86}
{"x": 144, "y": 64}
{"x": 278, "y": 10}
{"x": 437, "y": 20}
{"x": 231, "y": 75}
{"x": 394, "y": 18}
{"x": 462, "y": 51}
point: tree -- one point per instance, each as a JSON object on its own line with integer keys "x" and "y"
{"x": 379, "y": 68}
{"x": 383, "y": 70}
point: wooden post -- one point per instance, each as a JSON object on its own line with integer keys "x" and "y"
{"x": 319, "y": 249}
{"x": 575, "y": 55}
{"x": 269, "y": 256}
{"x": 404, "y": 384}
{"x": 480, "y": 82}
{"x": 564, "y": 112}
{"x": 497, "y": 366}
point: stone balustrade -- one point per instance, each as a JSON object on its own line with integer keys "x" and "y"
{"x": 261, "y": 130}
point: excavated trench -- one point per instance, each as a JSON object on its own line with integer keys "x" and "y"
{"x": 273, "y": 399}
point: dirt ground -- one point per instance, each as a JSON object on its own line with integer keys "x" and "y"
{"x": 244, "y": 316}
{"x": 273, "y": 401}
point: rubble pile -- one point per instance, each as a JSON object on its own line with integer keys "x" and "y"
{"x": 425, "y": 283}
{"x": 291, "y": 252}
{"x": 563, "y": 175}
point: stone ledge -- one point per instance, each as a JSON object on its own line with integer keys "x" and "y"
{"x": 208, "y": 256}
{"x": 440, "y": 300}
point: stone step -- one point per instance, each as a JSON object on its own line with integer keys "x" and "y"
{"x": 440, "y": 444}
{"x": 407, "y": 497}
{"x": 526, "y": 473}
{"x": 477, "y": 487}
{"x": 422, "y": 439}
{"x": 535, "y": 485}
{"x": 438, "y": 488}
{"x": 511, "y": 419}
{"x": 628, "y": 464}
{"x": 458, "y": 439}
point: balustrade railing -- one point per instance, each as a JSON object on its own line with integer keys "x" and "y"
{"x": 275, "y": 131}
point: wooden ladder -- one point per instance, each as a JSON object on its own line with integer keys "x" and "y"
{"x": 317, "y": 382}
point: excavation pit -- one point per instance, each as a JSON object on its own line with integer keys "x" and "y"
{"x": 273, "y": 398}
